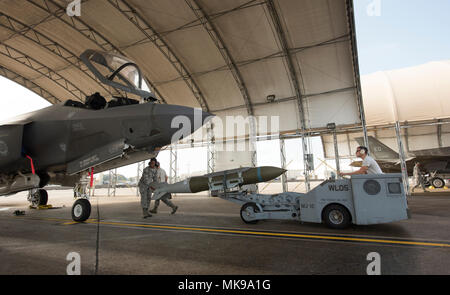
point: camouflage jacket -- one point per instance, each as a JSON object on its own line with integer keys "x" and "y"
{"x": 148, "y": 176}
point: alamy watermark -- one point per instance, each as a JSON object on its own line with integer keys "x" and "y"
{"x": 74, "y": 267}
{"x": 242, "y": 131}
{"x": 374, "y": 267}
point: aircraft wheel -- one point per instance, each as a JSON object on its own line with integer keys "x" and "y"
{"x": 81, "y": 210}
{"x": 43, "y": 197}
{"x": 248, "y": 211}
{"x": 438, "y": 182}
{"x": 336, "y": 216}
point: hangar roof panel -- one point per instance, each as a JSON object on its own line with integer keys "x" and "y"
{"x": 214, "y": 54}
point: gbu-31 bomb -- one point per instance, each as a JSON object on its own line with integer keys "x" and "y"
{"x": 220, "y": 180}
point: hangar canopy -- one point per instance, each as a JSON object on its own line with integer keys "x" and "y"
{"x": 296, "y": 59}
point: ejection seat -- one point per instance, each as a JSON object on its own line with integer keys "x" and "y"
{"x": 95, "y": 101}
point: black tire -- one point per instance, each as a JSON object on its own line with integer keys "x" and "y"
{"x": 438, "y": 182}
{"x": 247, "y": 209}
{"x": 336, "y": 216}
{"x": 81, "y": 210}
{"x": 43, "y": 197}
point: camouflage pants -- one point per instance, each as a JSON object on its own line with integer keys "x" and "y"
{"x": 146, "y": 196}
{"x": 166, "y": 200}
{"x": 420, "y": 181}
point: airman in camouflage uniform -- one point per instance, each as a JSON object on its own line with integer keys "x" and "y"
{"x": 148, "y": 177}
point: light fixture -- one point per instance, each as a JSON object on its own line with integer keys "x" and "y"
{"x": 271, "y": 98}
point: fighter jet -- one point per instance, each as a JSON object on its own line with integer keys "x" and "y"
{"x": 434, "y": 161}
{"x": 61, "y": 143}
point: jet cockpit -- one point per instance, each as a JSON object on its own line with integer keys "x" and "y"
{"x": 119, "y": 73}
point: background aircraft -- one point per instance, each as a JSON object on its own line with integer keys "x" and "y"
{"x": 435, "y": 162}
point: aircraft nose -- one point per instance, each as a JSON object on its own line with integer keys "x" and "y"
{"x": 180, "y": 120}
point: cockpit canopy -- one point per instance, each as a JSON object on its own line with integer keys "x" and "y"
{"x": 118, "y": 72}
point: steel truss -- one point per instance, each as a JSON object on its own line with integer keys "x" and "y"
{"x": 295, "y": 82}
{"x": 42, "y": 69}
{"x": 209, "y": 26}
{"x": 31, "y": 34}
{"x": 59, "y": 12}
{"x": 140, "y": 23}
{"x": 29, "y": 85}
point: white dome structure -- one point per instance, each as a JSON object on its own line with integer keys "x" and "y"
{"x": 411, "y": 94}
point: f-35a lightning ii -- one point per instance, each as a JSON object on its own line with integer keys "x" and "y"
{"x": 60, "y": 143}
{"x": 435, "y": 162}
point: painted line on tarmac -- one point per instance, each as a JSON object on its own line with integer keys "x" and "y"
{"x": 274, "y": 234}
{"x": 304, "y": 236}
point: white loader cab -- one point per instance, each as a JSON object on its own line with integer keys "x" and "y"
{"x": 361, "y": 200}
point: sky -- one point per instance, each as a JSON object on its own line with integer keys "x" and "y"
{"x": 391, "y": 34}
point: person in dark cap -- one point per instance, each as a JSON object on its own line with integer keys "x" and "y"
{"x": 148, "y": 177}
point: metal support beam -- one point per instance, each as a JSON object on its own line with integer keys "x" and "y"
{"x": 173, "y": 169}
{"x": 354, "y": 46}
{"x": 209, "y": 26}
{"x": 336, "y": 152}
{"x": 439, "y": 133}
{"x": 19, "y": 28}
{"x": 198, "y": 21}
{"x": 295, "y": 82}
{"x": 406, "y": 138}
{"x": 112, "y": 184}
{"x": 43, "y": 70}
{"x": 211, "y": 150}
{"x": 279, "y": 54}
{"x": 401, "y": 153}
{"x": 29, "y": 85}
{"x": 142, "y": 25}
{"x": 284, "y": 182}
{"x": 77, "y": 24}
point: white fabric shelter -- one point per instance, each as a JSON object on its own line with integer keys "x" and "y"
{"x": 410, "y": 94}
{"x": 415, "y": 96}
{"x": 225, "y": 57}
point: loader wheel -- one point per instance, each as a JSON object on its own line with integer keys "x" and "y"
{"x": 81, "y": 210}
{"x": 336, "y": 217}
{"x": 43, "y": 197}
{"x": 248, "y": 211}
{"x": 438, "y": 182}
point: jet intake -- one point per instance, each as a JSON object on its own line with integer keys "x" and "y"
{"x": 21, "y": 182}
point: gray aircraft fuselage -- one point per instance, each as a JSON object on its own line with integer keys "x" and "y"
{"x": 67, "y": 140}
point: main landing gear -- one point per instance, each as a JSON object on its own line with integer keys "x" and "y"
{"x": 81, "y": 209}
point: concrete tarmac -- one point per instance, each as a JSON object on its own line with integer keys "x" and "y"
{"x": 206, "y": 236}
